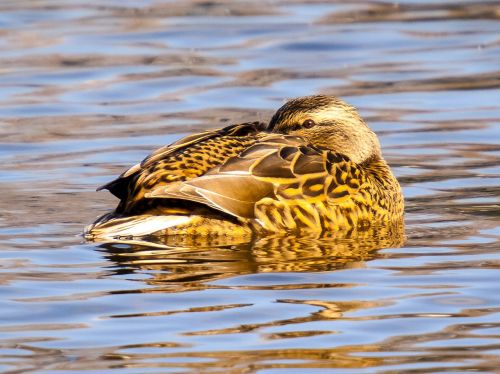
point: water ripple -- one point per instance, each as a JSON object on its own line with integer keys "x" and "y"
{"x": 87, "y": 89}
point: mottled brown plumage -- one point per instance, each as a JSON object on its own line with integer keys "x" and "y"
{"x": 187, "y": 158}
{"x": 316, "y": 167}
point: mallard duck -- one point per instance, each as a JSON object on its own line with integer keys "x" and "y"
{"x": 315, "y": 167}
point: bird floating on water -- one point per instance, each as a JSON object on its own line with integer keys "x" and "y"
{"x": 315, "y": 167}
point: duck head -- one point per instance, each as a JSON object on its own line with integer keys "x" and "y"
{"x": 330, "y": 123}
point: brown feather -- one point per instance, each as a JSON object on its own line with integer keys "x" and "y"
{"x": 222, "y": 192}
{"x": 187, "y": 158}
{"x": 330, "y": 176}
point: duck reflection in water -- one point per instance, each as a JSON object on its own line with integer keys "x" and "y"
{"x": 316, "y": 168}
{"x": 190, "y": 263}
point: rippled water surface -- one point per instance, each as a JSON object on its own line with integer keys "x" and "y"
{"x": 88, "y": 88}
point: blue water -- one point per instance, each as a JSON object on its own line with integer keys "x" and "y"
{"x": 89, "y": 88}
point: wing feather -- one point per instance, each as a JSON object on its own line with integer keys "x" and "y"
{"x": 187, "y": 158}
{"x": 234, "y": 194}
{"x": 279, "y": 176}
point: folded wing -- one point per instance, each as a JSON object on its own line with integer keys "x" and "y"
{"x": 279, "y": 175}
{"x": 183, "y": 160}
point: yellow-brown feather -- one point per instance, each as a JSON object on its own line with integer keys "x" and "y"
{"x": 344, "y": 196}
{"x": 165, "y": 167}
{"x": 328, "y": 175}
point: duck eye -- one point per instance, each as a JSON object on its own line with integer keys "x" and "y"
{"x": 308, "y": 123}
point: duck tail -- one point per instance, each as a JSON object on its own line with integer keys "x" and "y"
{"x": 111, "y": 226}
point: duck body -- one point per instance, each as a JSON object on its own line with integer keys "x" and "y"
{"x": 255, "y": 178}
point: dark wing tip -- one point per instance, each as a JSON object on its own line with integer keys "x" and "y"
{"x": 106, "y": 186}
{"x": 117, "y": 187}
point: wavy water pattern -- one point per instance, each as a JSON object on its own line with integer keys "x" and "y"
{"x": 88, "y": 88}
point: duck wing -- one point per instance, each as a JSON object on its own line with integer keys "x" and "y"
{"x": 187, "y": 158}
{"x": 280, "y": 178}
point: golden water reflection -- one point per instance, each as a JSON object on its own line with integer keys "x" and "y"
{"x": 397, "y": 354}
{"x": 88, "y": 89}
{"x": 287, "y": 253}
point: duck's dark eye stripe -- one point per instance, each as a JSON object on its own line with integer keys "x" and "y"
{"x": 292, "y": 128}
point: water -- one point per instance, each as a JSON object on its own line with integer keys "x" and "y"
{"x": 88, "y": 89}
